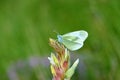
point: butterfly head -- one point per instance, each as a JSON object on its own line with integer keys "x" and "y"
{"x": 60, "y": 39}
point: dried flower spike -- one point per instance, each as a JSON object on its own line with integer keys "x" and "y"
{"x": 59, "y": 62}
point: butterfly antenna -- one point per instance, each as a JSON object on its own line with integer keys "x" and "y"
{"x": 56, "y": 32}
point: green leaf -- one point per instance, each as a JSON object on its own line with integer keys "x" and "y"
{"x": 71, "y": 71}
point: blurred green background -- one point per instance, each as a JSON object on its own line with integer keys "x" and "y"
{"x": 27, "y": 25}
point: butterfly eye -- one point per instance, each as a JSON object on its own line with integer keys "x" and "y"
{"x": 60, "y": 38}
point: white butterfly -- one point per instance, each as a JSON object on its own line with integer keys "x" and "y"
{"x": 73, "y": 40}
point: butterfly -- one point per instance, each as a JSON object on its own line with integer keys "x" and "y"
{"x": 73, "y": 40}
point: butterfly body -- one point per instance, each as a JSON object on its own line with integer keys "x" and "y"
{"x": 73, "y": 40}
{"x": 60, "y": 39}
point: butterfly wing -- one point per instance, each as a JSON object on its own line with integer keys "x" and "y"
{"x": 72, "y": 45}
{"x": 74, "y": 40}
{"x": 79, "y": 35}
